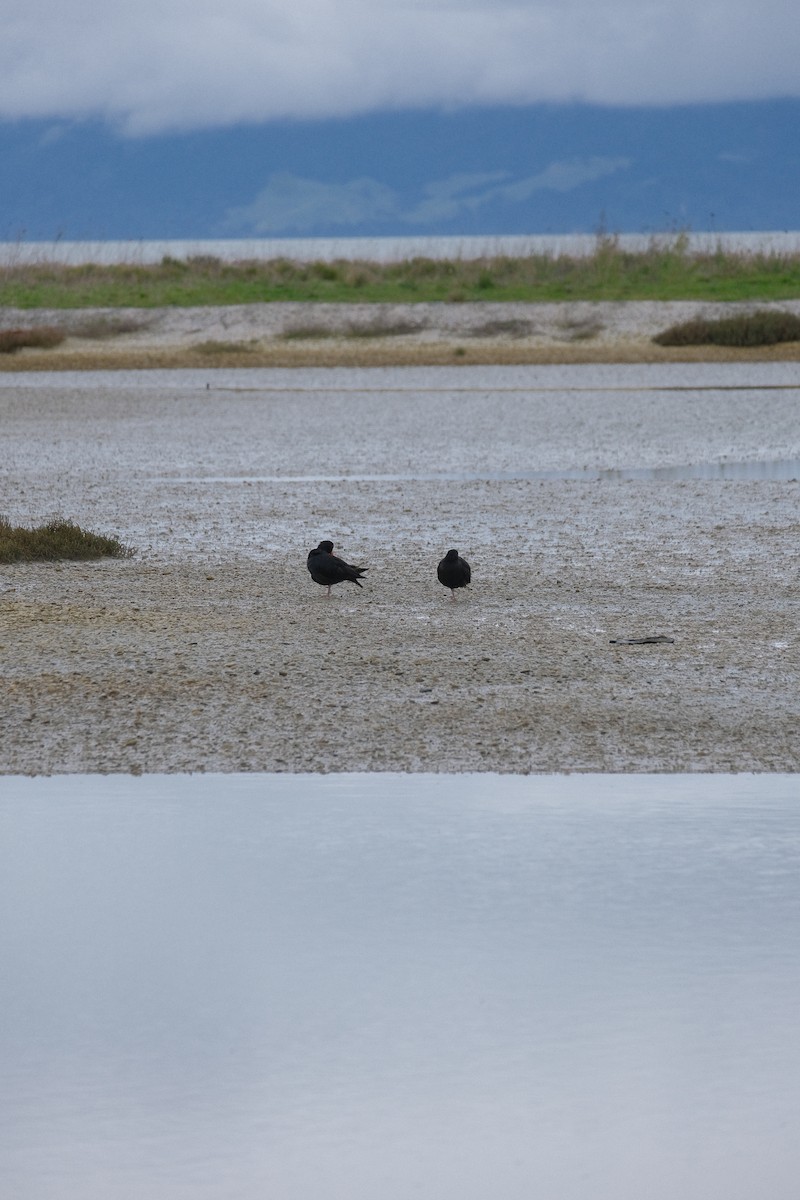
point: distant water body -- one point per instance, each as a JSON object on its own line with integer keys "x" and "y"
{"x": 382, "y": 249}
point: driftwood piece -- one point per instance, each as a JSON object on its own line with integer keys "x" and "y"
{"x": 658, "y": 640}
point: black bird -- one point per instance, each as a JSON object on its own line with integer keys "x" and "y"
{"x": 453, "y": 571}
{"x": 327, "y": 569}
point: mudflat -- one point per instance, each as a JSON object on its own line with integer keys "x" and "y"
{"x": 211, "y": 649}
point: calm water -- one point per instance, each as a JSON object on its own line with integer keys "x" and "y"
{"x": 377, "y": 987}
{"x": 379, "y": 249}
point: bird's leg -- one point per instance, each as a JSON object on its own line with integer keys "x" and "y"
{"x": 329, "y": 591}
{"x": 453, "y": 593}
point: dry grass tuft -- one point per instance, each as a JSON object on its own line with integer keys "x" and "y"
{"x": 381, "y": 327}
{"x": 42, "y": 337}
{"x": 513, "y": 327}
{"x": 764, "y": 327}
{"x": 576, "y": 329}
{"x": 213, "y": 348}
{"x": 308, "y": 333}
{"x": 377, "y": 327}
{"x": 58, "y": 539}
{"x": 99, "y": 328}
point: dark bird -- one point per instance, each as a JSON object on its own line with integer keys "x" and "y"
{"x": 327, "y": 569}
{"x": 453, "y": 571}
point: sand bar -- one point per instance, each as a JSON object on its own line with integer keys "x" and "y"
{"x": 330, "y": 335}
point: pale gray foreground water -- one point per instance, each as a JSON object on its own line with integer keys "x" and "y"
{"x": 368, "y": 987}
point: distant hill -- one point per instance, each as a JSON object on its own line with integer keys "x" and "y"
{"x": 542, "y": 169}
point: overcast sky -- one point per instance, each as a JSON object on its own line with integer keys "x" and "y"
{"x": 168, "y": 65}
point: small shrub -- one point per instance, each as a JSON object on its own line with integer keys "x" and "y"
{"x": 42, "y": 338}
{"x": 513, "y": 327}
{"x": 301, "y": 333}
{"x": 358, "y": 277}
{"x": 379, "y": 328}
{"x": 577, "y": 329}
{"x": 764, "y": 327}
{"x": 204, "y": 262}
{"x": 326, "y": 271}
{"x": 212, "y": 347}
{"x": 425, "y": 268}
{"x": 58, "y": 539}
{"x": 100, "y": 327}
{"x": 168, "y": 262}
{"x": 284, "y": 268}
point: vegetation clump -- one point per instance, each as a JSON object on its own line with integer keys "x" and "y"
{"x": 96, "y": 328}
{"x": 308, "y": 332}
{"x": 58, "y": 539}
{"x": 212, "y": 347}
{"x": 513, "y": 327}
{"x": 42, "y": 337}
{"x": 379, "y": 327}
{"x": 764, "y": 327}
{"x": 46, "y": 337}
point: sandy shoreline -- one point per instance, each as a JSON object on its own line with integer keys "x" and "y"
{"x": 326, "y": 335}
{"x": 212, "y": 650}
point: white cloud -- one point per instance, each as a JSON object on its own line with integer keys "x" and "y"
{"x": 289, "y": 204}
{"x": 563, "y": 176}
{"x": 184, "y": 64}
{"x": 445, "y": 198}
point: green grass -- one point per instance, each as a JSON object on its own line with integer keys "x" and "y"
{"x": 764, "y": 327}
{"x": 58, "y": 539}
{"x": 665, "y": 271}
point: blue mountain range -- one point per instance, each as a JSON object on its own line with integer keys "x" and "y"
{"x": 541, "y": 169}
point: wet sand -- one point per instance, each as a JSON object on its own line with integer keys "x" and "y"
{"x": 212, "y": 650}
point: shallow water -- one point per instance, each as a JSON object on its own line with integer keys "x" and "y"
{"x": 309, "y": 439}
{"x": 675, "y": 380}
{"x": 384, "y": 986}
{"x": 781, "y": 470}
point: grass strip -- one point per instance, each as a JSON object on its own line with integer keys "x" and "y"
{"x": 664, "y": 271}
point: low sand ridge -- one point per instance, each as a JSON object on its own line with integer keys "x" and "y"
{"x": 311, "y": 334}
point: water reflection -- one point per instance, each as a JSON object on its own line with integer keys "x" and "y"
{"x": 366, "y": 986}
